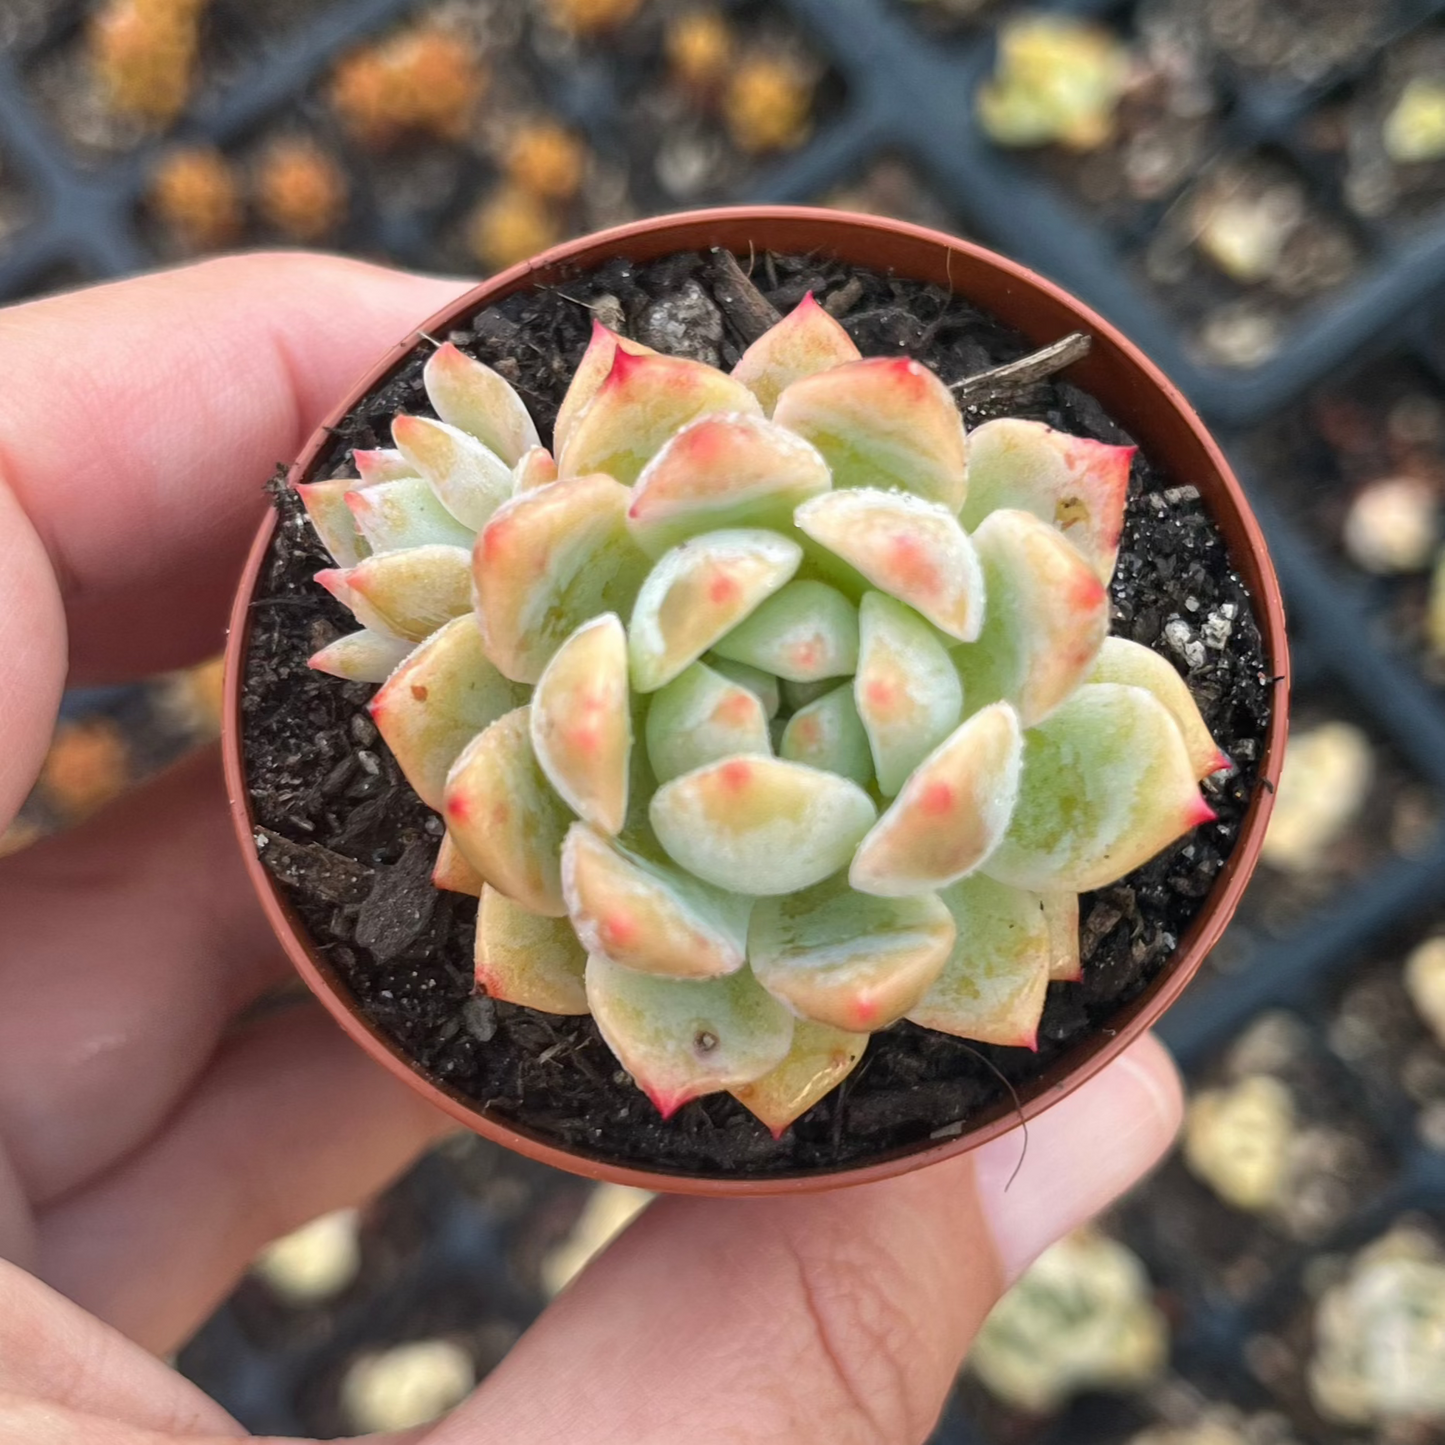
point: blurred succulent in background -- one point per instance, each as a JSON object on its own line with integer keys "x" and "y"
{"x": 589, "y": 17}
{"x": 1326, "y": 779}
{"x": 143, "y": 53}
{"x": 768, "y": 712}
{"x": 1393, "y": 525}
{"x": 1080, "y": 1318}
{"x": 301, "y": 189}
{"x": 767, "y": 103}
{"x": 1425, "y": 983}
{"x": 422, "y": 81}
{"x": 543, "y": 165}
{"x": 546, "y": 159}
{"x": 699, "y": 46}
{"x": 196, "y": 195}
{"x": 1237, "y": 1140}
{"x": 1414, "y": 130}
{"x": 510, "y": 225}
{"x": 1057, "y": 81}
{"x": 1380, "y": 1335}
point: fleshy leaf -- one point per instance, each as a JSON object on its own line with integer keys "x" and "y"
{"x": 582, "y": 722}
{"x": 525, "y": 959}
{"x": 1048, "y": 615}
{"x": 805, "y": 341}
{"x": 761, "y": 825}
{"x": 549, "y": 561}
{"x": 763, "y": 684}
{"x": 363, "y": 656}
{"x": 882, "y": 422}
{"x": 1074, "y": 483}
{"x": 950, "y": 814}
{"x": 992, "y": 987}
{"x": 828, "y": 734}
{"x": 1106, "y": 784}
{"x": 848, "y": 960}
{"x": 504, "y": 816}
{"x": 405, "y": 594}
{"x": 804, "y": 632}
{"x": 729, "y": 470}
{"x": 588, "y": 378}
{"x": 473, "y": 397}
{"x": 699, "y": 717}
{"x": 331, "y": 519}
{"x": 698, "y": 593}
{"x": 819, "y": 1060}
{"x": 395, "y": 515}
{"x": 384, "y": 464}
{"x": 1061, "y": 913}
{"x": 681, "y": 1038}
{"x": 649, "y": 916}
{"x": 911, "y": 549}
{"x": 1120, "y": 660}
{"x": 907, "y": 688}
{"x": 643, "y": 402}
{"x": 437, "y": 701}
{"x": 536, "y": 469}
{"x": 470, "y": 480}
{"x": 452, "y": 873}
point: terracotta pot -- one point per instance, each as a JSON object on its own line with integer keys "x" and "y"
{"x": 1131, "y": 389}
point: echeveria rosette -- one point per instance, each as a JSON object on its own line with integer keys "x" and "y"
{"x": 773, "y": 711}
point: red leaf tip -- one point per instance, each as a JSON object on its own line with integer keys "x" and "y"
{"x": 666, "y": 1104}
{"x": 333, "y": 579}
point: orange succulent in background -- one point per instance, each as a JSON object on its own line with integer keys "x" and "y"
{"x": 143, "y": 53}
{"x": 699, "y": 49}
{"x": 196, "y": 194}
{"x": 423, "y": 81}
{"x": 547, "y": 160}
{"x": 590, "y": 17}
{"x": 301, "y": 190}
{"x": 767, "y": 105}
{"x": 88, "y": 765}
{"x": 511, "y": 225}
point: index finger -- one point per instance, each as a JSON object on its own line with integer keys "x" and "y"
{"x": 139, "y": 421}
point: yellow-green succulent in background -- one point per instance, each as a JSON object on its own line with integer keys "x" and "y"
{"x": 772, "y": 711}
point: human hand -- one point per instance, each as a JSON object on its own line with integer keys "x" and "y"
{"x": 149, "y": 1146}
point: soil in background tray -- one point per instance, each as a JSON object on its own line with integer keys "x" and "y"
{"x": 352, "y": 845}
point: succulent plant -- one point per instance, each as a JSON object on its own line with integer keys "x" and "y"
{"x": 1414, "y": 130}
{"x": 143, "y": 53}
{"x": 195, "y": 193}
{"x": 1380, "y": 1335}
{"x": 1058, "y": 80}
{"x": 1080, "y": 1318}
{"x": 767, "y": 712}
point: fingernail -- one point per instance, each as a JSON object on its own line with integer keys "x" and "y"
{"x": 1079, "y": 1156}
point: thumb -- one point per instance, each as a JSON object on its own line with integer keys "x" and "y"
{"x": 832, "y": 1317}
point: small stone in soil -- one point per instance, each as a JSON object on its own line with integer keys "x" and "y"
{"x": 309, "y": 866}
{"x": 687, "y": 325}
{"x": 397, "y": 910}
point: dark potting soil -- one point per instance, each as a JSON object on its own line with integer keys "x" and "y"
{"x": 351, "y": 844}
